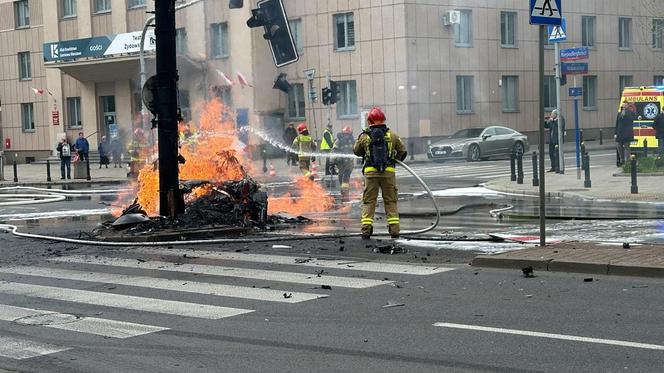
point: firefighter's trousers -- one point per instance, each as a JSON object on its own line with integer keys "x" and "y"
{"x": 345, "y": 167}
{"x": 387, "y": 184}
{"x": 305, "y": 166}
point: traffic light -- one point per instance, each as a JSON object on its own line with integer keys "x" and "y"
{"x": 236, "y": 4}
{"x": 272, "y": 16}
{"x": 563, "y": 80}
{"x": 331, "y": 93}
{"x": 282, "y": 84}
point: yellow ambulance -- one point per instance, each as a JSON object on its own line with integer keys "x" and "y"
{"x": 646, "y": 103}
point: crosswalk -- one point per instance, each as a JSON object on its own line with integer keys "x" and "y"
{"x": 119, "y": 281}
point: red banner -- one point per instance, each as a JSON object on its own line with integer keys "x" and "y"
{"x": 55, "y": 115}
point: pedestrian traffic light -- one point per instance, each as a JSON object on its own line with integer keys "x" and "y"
{"x": 282, "y": 84}
{"x": 272, "y": 16}
{"x": 331, "y": 93}
{"x": 326, "y": 96}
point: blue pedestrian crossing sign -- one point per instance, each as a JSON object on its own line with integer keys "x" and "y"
{"x": 558, "y": 34}
{"x": 546, "y": 12}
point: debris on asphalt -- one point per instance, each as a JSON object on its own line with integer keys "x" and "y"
{"x": 326, "y": 287}
{"x": 389, "y": 249}
{"x": 639, "y": 286}
{"x": 588, "y": 279}
{"x": 288, "y": 295}
{"x": 302, "y": 260}
{"x": 528, "y": 272}
{"x": 391, "y": 304}
{"x": 141, "y": 260}
{"x": 281, "y": 247}
{"x": 190, "y": 257}
{"x": 625, "y": 245}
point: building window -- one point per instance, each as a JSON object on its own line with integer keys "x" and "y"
{"x": 27, "y": 117}
{"x": 24, "y": 67}
{"x": 185, "y": 104}
{"x": 21, "y": 13}
{"x": 510, "y": 94}
{"x": 296, "y": 103}
{"x": 625, "y": 81}
{"x": 74, "y": 112}
{"x": 550, "y": 93}
{"x": 135, "y": 3}
{"x": 344, "y": 31}
{"x": 464, "y": 89}
{"x": 657, "y": 33}
{"x": 624, "y": 33}
{"x": 463, "y": 31}
{"x": 102, "y": 6}
{"x": 658, "y": 80}
{"x": 590, "y": 92}
{"x": 296, "y": 31}
{"x": 181, "y": 41}
{"x": 588, "y": 24}
{"x": 347, "y": 105}
{"x": 219, "y": 40}
{"x": 68, "y": 8}
{"x": 508, "y": 29}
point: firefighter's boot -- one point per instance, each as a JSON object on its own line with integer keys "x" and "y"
{"x": 394, "y": 230}
{"x": 367, "y": 231}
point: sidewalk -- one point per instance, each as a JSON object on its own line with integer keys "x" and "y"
{"x": 35, "y": 175}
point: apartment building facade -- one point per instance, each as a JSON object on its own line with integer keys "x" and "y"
{"x": 432, "y": 77}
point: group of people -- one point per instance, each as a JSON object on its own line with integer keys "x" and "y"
{"x": 379, "y": 148}
{"x": 80, "y": 151}
{"x": 624, "y": 132}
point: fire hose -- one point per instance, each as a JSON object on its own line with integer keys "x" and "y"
{"x": 14, "y": 230}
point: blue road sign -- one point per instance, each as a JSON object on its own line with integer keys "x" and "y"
{"x": 546, "y": 12}
{"x": 574, "y": 68}
{"x": 575, "y": 91}
{"x": 574, "y": 54}
{"x": 558, "y": 34}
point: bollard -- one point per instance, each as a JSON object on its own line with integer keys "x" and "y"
{"x": 556, "y": 167}
{"x": 264, "y": 156}
{"x": 581, "y": 136}
{"x": 583, "y": 148}
{"x": 15, "y": 172}
{"x": 535, "y": 173}
{"x": 2, "y": 165}
{"x": 601, "y": 137}
{"x": 586, "y": 170}
{"x": 519, "y": 168}
{"x": 87, "y": 168}
{"x": 48, "y": 170}
{"x": 512, "y": 167}
{"x": 645, "y": 148}
{"x": 635, "y": 187}
{"x": 411, "y": 150}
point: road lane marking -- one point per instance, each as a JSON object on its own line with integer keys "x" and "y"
{"x": 575, "y": 338}
{"x": 231, "y": 291}
{"x": 254, "y": 274}
{"x": 19, "y": 349}
{"x": 301, "y": 261}
{"x": 135, "y": 303}
{"x": 87, "y": 325}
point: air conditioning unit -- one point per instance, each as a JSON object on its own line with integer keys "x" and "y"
{"x": 452, "y": 17}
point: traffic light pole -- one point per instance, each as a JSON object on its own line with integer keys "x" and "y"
{"x": 540, "y": 121}
{"x": 171, "y": 202}
{"x": 561, "y": 150}
{"x": 329, "y": 107}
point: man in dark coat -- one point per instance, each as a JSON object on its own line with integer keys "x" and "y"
{"x": 659, "y": 133}
{"x": 624, "y": 133}
{"x": 554, "y": 124}
{"x": 289, "y": 136}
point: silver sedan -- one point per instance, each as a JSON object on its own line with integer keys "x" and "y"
{"x": 474, "y": 144}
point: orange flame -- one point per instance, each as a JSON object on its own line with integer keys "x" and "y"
{"x": 311, "y": 197}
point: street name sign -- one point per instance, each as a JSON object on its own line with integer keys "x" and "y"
{"x": 575, "y": 91}
{"x": 558, "y": 34}
{"x": 574, "y": 54}
{"x": 574, "y": 68}
{"x": 546, "y": 12}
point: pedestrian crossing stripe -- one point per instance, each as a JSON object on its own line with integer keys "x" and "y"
{"x": 20, "y": 349}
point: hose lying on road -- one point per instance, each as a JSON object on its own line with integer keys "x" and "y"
{"x": 14, "y": 230}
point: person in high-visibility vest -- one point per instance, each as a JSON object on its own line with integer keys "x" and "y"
{"x": 344, "y": 145}
{"x": 305, "y": 145}
{"x": 326, "y": 144}
{"x": 379, "y": 147}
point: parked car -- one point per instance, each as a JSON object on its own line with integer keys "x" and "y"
{"x": 474, "y": 144}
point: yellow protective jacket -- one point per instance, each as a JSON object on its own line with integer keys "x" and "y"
{"x": 304, "y": 144}
{"x": 327, "y": 141}
{"x": 396, "y": 150}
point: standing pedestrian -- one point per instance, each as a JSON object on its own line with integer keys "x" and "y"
{"x": 64, "y": 151}
{"x": 326, "y": 144}
{"x": 379, "y": 147}
{"x": 103, "y": 150}
{"x": 554, "y": 123}
{"x": 659, "y": 132}
{"x": 116, "y": 152}
{"x": 305, "y": 145}
{"x": 289, "y": 136}
{"x": 344, "y": 146}
{"x": 624, "y": 133}
{"x": 82, "y": 147}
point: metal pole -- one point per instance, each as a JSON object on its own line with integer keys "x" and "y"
{"x": 87, "y": 168}
{"x": 601, "y": 137}
{"x": 2, "y": 165}
{"x": 635, "y": 187}
{"x": 535, "y": 174}
{"x": 586, "y": 168}
{"x": 561, "y": 137}
{"x": 519, "y": 168}
{"x": 48, "y": 170}
{"x": 512, "y": 167}
{"x": 15, "y": 172}
{"x": 645, "y": 148}
{"x": 540, "y": 121}
{"x": 577, "y": 131}
{"x": 313, "y": 111}
{"x": 171, "y": 202}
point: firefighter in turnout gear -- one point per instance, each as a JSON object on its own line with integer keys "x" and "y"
{"x": 304, "y": 144}
{"x": 326, "y": 144}
{"x": 344, "y": 145}
{"x": 379, "y": 148}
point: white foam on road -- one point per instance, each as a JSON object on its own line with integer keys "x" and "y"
{"x": 574, "y": 338}
{"x": 87, "y": 325}
{"x": 270, "y": 295}
{"x": 121, "y": 301}
{"x": 254, "y": 274}
{"x": 301, "y": 261}
{"x": 19, "y": 349}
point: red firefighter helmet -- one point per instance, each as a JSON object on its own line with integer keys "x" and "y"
{"x": 376, "y": 117}
{"x": 347, "y": 130}
{"x": 139, "y": 133}
{"x": 301, "y": 127}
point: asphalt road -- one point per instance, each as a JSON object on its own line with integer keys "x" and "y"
{"x": 374, "y": 316}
